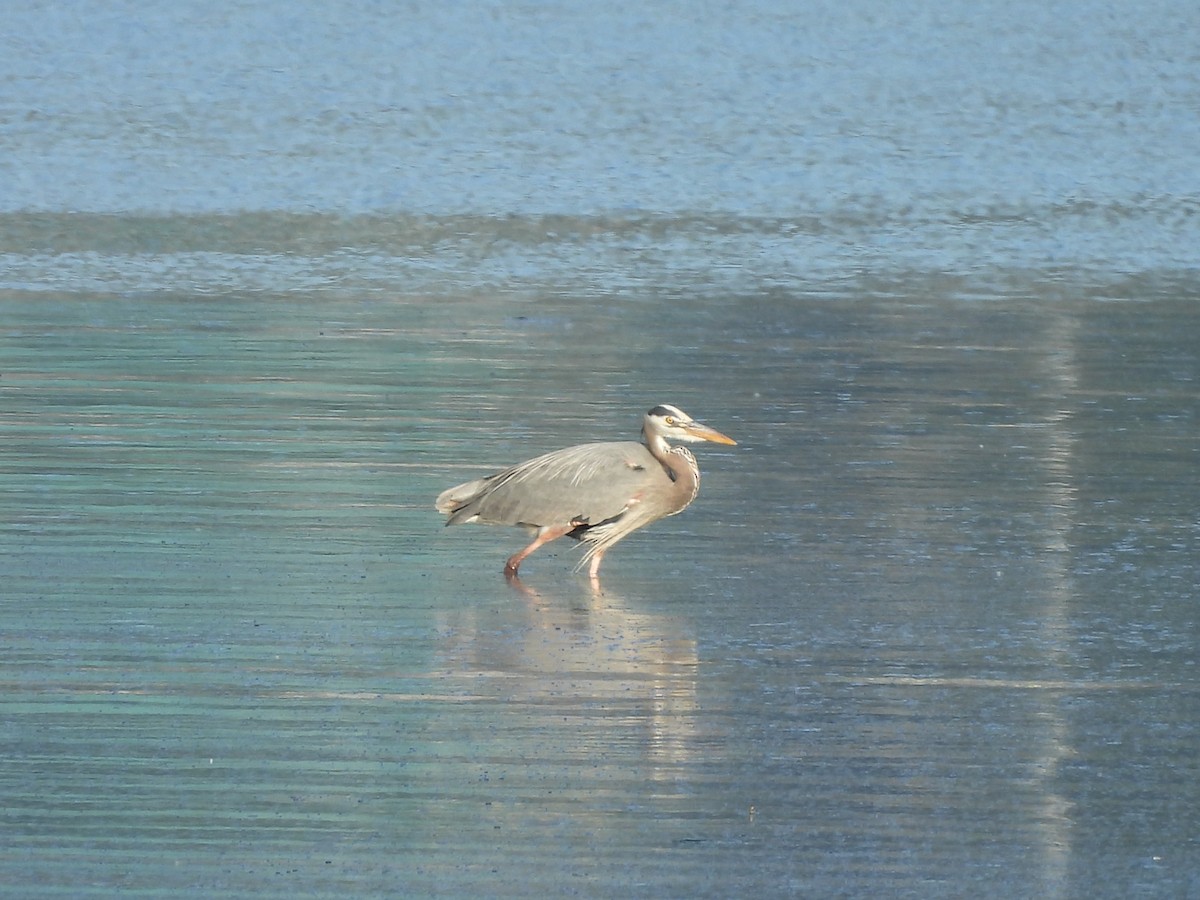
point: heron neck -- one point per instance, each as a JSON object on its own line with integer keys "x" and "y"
{"x": 680, "y": 466}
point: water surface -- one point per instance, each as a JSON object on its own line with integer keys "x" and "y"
{"x": 271, "y": 278}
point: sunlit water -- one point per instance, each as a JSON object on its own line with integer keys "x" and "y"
{"x": 273, "y": 276}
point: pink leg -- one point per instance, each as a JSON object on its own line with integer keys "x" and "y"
{"x": 544, "y": 536}
{"x": 594, "y": 569}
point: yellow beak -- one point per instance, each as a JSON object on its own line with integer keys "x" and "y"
{"x": 704, "y": 433}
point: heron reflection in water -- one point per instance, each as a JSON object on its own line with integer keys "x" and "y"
{"x": 595, "y": 493}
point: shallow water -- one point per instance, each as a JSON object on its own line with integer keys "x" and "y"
{"x": 929, "y": 626}
{"x": 928, "y": 630}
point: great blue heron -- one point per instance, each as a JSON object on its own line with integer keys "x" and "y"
{"x": 597, "y": 493}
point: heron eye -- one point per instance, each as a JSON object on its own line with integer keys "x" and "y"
{"x": 670, "y": 420}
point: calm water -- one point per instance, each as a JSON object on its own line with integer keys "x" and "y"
{"x": 273, "y": 275}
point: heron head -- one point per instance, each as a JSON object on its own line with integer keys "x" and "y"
{"x": 672, "y": 423}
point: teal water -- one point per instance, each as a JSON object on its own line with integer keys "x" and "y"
{"x": 271, "y": 278}
{"x": 928, "y": 626}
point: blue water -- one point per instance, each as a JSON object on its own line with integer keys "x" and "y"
{"x": 274, "y": 274}
{"x": 1019, "y": 133}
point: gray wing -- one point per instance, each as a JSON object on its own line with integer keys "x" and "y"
{"x": 588, "y": 483}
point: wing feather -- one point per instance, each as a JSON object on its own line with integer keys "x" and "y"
{"x": 587, "y": 483}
